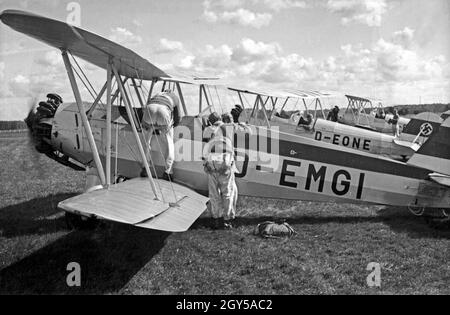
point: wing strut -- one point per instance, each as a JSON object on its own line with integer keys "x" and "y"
{"x": 82, "y": 110}
{"x": 108, "y": 121}
{"x": 136, "y": 135}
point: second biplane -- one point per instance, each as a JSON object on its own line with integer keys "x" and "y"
{"x": 415, "y": 132}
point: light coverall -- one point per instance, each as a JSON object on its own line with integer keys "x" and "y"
{"x": 220, "y": 167}
{"x": 395, "y": 126}
{"x": 162, "y": 113}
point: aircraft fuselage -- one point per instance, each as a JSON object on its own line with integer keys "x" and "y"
{"x": 270, "y": 164}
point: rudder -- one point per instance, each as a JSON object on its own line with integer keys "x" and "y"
{"x": 435, "y": 153}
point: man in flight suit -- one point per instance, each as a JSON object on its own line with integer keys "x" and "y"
{"x": 219, "y": 165}
{"x": 161, "y": 115}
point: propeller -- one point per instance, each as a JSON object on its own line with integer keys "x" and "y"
{"x": 31, "y": 119}
{"x": 38, "y": 130}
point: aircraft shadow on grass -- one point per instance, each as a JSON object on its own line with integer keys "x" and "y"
{"x": 108, "y": 260}
{"x": 109, "y": 256}
{"x": 34, "y": 217}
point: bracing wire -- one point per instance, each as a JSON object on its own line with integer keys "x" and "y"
{"x": 116, "y": 152}
{"x": 145, "y": 140}
{"x": 84, "y": 75}
{"x": 91, "y": 90}
{"x": 250, "y": 106}
{"x": 208, "y": 92}
{"x": 82, "y": 81}
{"x": 296, "y": 104}
{"x": 218, "y": 98}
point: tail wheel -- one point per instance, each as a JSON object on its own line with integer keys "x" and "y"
{"x": 78, "y": 222}
{"x": 439, "y": 222}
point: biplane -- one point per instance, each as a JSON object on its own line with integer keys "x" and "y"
{"x": 106, "y": 139}
{"x": 361, "y": 112}
{"x": 416, "y": 131}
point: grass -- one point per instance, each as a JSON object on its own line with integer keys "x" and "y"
{"x": 329, "y": 254}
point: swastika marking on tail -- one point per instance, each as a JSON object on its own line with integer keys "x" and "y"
{"x": 426, "y": 129}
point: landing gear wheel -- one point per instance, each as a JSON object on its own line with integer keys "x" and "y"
{"x": 78, "y": 222}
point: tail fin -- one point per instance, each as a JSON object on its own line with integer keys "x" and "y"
{"x": 434, "y": 154}
{"x": 420, "y": 127}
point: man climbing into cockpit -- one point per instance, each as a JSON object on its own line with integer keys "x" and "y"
{"x": 161, "y": 115}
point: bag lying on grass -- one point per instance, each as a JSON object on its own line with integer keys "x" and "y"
{"x": 271, "y": 229}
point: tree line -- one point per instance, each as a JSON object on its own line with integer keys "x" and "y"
{"x": 12, "y": 125}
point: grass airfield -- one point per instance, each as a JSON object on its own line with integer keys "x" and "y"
{"x": 329, "y": 255}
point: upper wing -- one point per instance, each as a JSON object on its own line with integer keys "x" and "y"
{"x": 285, "y": 93}
{"x": 443, "y": 180}
{"x": 83, "y": 44}
{"x": 357, "y": 98}
{"x": 311, "y": 94}
{"x": 262, "y": 91}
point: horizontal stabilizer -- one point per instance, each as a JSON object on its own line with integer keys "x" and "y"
{"x": 408, "y": 144}
{"x": 133, "y": 202}
{"x": 440, "y": 179}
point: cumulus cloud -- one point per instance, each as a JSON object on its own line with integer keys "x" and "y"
{"x": 50, "y": 59}
{"x": 2, "y": 71}
{"x": 187, "y": 62}
{"x": 50, "y": 76}
{"x": 216, "y": 57}
{"x": 277, "y": 5}
{"x": 4, "y": 89}
{"x": 31, "y": 85}
{"x": 404, "y": 37}
{"x": 368, "y": 12}
{"x": 250, "y": 50}
{"x": 396, "y": 63}
{"x": 240, "y": 16}
{"x": 19, "y": 85}
{"x": 392, "y": 60}
{"x": 380, "y": 69}
{"x": 168, "y": 46}
{"x": 124, "y": 37}
{"x": 244, "y": 13}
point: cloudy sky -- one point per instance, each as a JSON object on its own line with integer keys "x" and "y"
{"x": 394, "y": 50}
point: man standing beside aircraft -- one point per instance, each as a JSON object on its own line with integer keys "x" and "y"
{"x": 333, "y": 115}
{"x": 161, "y": 115}
{"x": 394, "y": 122}
{"x": 219, "y": 165}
